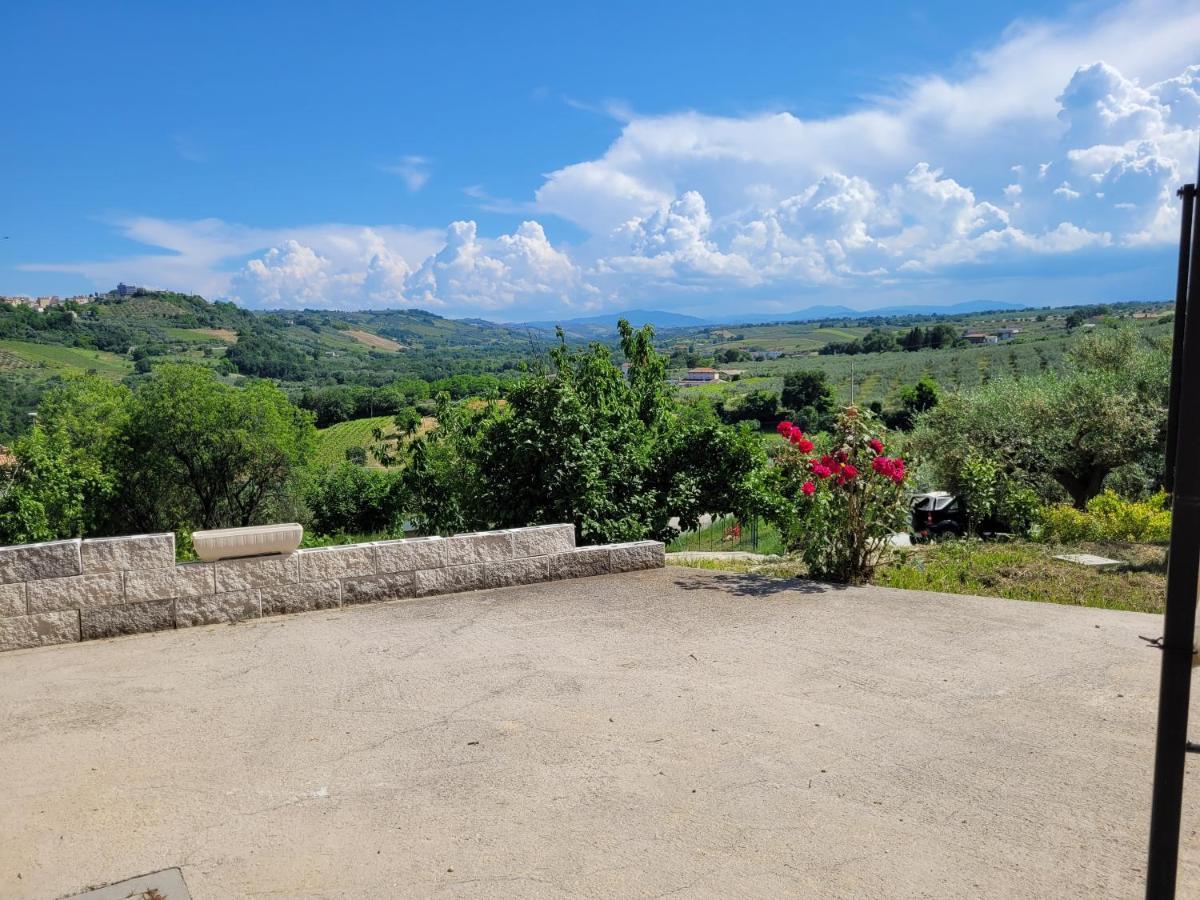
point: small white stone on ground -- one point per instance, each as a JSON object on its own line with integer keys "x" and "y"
{"x": 1088, "y": 559}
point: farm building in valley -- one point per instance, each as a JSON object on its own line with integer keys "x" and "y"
{"x": 701, "y": 376}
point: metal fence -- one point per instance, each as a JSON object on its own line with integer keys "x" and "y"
{"x": 727, "y": 533}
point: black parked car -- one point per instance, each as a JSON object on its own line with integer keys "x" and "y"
{"x": 940, "y": 514}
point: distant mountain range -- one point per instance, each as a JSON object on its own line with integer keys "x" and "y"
{"x": 810, "y": 313}
{"x": 637, "y": 318}
{"x": 603, "y": 324}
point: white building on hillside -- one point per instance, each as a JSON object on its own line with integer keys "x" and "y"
{"x": 701, "y": 376}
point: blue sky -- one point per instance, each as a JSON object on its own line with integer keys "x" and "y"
{"x": 553, "y": 159}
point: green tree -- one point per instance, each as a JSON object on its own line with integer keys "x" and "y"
{"x": 808, "y": 389}
{"x": 879, "y": 341}
{"x": 760, "y": 406}
{"x": 939, "y": 336}
{"x": 442, "y": 476}
{"x": 46, "y": 495}
{"x": 618, "y": 456}
{"x": 69, "y": 466}
{"x": 914, "y": 400}
{"x": 388, "y": 449}
{"x": 215, "y": 455}
{"x": 1057, "y": 433}
{"x": 808, "y": 398}
{"x": 914, "y": 340}
{"x": 920, "y": 397}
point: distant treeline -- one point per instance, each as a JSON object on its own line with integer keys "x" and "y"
{"x": 879, "y": 341}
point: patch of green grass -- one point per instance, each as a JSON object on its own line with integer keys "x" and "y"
{"x": 68, "y": 360}
{"x": 1027, "y": 571}
{"x": 1019, "y": 570}
{"x": 217, "y": 336}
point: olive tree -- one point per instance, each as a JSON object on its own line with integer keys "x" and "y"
{"x": 1056, "y": 432}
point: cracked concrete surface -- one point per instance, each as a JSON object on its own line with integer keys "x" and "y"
{"x": 670, "y": 732}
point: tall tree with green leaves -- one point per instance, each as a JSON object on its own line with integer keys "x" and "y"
{"x": 582, "y": 442}
{"x": 215, "y": 455}
{"x": 69, "y": 466}
{"x": 808, "y": 399}
{"x": 1058, "y": 433}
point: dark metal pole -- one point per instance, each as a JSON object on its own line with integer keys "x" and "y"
{"x": 1188, "y": 193}
{"x": 1183, "y": 570}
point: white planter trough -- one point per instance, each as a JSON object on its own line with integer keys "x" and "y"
{"x": 257, "y": 540}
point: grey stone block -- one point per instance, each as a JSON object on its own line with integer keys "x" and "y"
{"x": 581, "y": 562}
{"x": 29, "y": 562}
{"x": 412, "y": 554}
{"x": 347, "y": 561}
{"x": 128, "y": 618}
{"x": 378, "y": 588}
{"x": 637, "y": 555}
{"x": 542, "y": 540}
{"x": 12, "y": 599}
{"x": 256, "y": 571}
{"x": 292, "y": 598}
{"x": 479, "y": 547}
{"x": 213, "y": 609}
{"x": 517, "y": 571}
{"x": 76, "y": 592}
{"x": 187, "y": 580}
{"x": 119, "y": 554}
{"x": 451, "y": 579}
{"x": 18, "y": 632}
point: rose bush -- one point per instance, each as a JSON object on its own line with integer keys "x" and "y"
{"x": 836, "y": 508}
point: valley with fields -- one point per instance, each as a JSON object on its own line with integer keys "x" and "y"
{"x": 311, "y": 352}
{"x": 385, "y": 421}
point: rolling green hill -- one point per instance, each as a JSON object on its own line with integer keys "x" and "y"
{"x": 55, "y": 359}
{"x": 310, "y": 352}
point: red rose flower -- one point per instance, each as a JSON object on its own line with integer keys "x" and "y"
{"x": 875, "y": 444}
{"x": 888, "y": 467}
{"x": 808, "y": 488}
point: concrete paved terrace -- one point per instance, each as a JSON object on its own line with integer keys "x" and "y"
{"x": 638, "y": 735}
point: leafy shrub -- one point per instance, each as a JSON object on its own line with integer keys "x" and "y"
{"x": 1109, "y": 518}
{"x": 837, "y": 509}
{"x": 1019, "y": 507}
{"x": 351, "y": 499}
{"x": 980, "y": 489}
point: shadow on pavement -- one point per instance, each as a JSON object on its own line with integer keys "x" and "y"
{"x": 744, "y": 585}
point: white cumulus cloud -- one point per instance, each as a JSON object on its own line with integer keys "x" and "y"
{"x": 489, "y": 275}
{"x": 1063, "y": 137}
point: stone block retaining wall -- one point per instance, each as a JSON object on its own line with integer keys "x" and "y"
{"x": 75, "y": 590}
